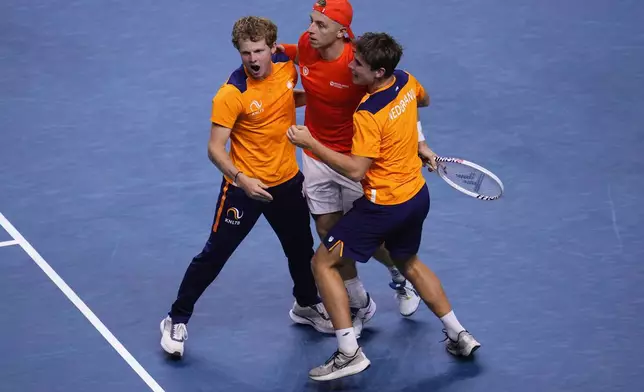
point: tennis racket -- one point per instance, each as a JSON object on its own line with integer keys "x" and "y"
{"x": 469, "y": 178}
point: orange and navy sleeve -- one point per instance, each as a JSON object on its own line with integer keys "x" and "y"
{"x": 420, "y": 90}
{"x": 226, "y": 106}
{"x": 367, "y": 136}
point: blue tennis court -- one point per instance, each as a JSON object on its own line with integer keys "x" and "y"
{"x": 104, "y": 119}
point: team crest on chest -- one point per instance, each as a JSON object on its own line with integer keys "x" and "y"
{"x": 256, "y": 107}
{"x": 305, "y": 71}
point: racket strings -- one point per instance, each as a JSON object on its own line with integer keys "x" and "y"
{"x": 470, "y": 179}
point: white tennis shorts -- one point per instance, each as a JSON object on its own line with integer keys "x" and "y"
{"x": 326, "y": 190}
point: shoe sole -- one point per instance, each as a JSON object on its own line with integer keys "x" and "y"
{"x": 172, "y": 353}
{"x": 458, "y": 354}
{"x": 412, "y": 313}
{"x": 346, "y": 372}
{"x": 306, "y": 321}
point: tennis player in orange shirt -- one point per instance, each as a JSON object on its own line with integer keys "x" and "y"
{"x": 323, "y": 54}
{"x": 392, "y": 208}
{"x": 261, "y": 177}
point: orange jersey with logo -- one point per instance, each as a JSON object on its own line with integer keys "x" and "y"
{"x": 259, "y": 113}
{"x": 386, "y": 131}
{"x": 331, "y": 96}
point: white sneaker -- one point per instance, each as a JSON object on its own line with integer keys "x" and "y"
{"x": 365, "y": 313}
{"x": 357, "y": 326}
{"x": 463, "y": 346}
{"x": 361, "y": 316}
{"x": 315, "y": 316}
{"x": 408, "y": 298}
{"x": 340, "y": 365}
{"x": 173, "y": 336}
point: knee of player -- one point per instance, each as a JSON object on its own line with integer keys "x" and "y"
{"x": 315, "y": 263}
{"x": 323, "y": 258}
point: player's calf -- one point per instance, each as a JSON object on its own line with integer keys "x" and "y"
{"x": 459, "y": 341}
{"x": 332, "y": 290}
{"x": 407, "y": 297}
{"x": 426, "y": 284}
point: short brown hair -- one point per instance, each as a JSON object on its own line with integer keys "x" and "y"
{"x": 379, "y": 50}
{"x": 254, "y": 28}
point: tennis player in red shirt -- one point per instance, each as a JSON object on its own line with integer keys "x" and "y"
{"x": 323, "y": 53}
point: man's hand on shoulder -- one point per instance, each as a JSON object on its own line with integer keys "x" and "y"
{"x": 290, "y": 50}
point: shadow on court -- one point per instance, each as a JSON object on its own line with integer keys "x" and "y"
{"x": 103, "y": 168}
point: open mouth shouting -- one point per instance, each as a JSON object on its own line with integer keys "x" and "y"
{"x": 255, "y": 69}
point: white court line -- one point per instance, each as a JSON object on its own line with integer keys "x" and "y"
{"x": 100, "y": 327}
{"x": 8, "y": 243}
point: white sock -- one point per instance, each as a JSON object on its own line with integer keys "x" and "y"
{"x": 357, "y": 294}
{"x": 452, "y": 325}
{"x": 396, "y": 276}
{"x": 347, "y": 342}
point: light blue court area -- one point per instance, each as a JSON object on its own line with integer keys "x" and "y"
{"x": 104, "y": 118}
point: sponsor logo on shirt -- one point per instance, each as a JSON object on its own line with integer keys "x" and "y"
{"x": 401, "y": 106}
{"x": 337, "y": 85}
{"x": 256, "y": 108}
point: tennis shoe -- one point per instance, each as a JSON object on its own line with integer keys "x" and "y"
{"x": 173, "y": 337}
{"x": 314, "y": 315}
{"x": 463, "y": 346}
{"x": 340, "y": 365}
{"x": 407, "y": 296}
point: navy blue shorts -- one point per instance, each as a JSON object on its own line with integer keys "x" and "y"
{"x": 367, "y": 225}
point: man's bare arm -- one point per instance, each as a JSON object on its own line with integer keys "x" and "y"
{"x": 300, "y": 98}
{"x": 217, "y": 150}
{"x": 423, "y": 101}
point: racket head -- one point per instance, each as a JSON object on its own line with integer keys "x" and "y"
{"x": 470, "y": 178}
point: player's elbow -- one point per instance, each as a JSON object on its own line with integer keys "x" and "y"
{"x": 300, "y": 99}
{"x": 358, "y": 168}
{"x": 356, "y": 175}
{"x": 214, "y": 152}
{"x": 424, "y": 101}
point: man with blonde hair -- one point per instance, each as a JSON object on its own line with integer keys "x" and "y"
{"x": 260, "y": 177}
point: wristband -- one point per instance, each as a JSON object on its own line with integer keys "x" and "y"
{"x": 235, "y": 179}
{"x": 421, "y": 136}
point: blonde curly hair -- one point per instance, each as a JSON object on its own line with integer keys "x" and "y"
{"x": 254, "y": 28}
